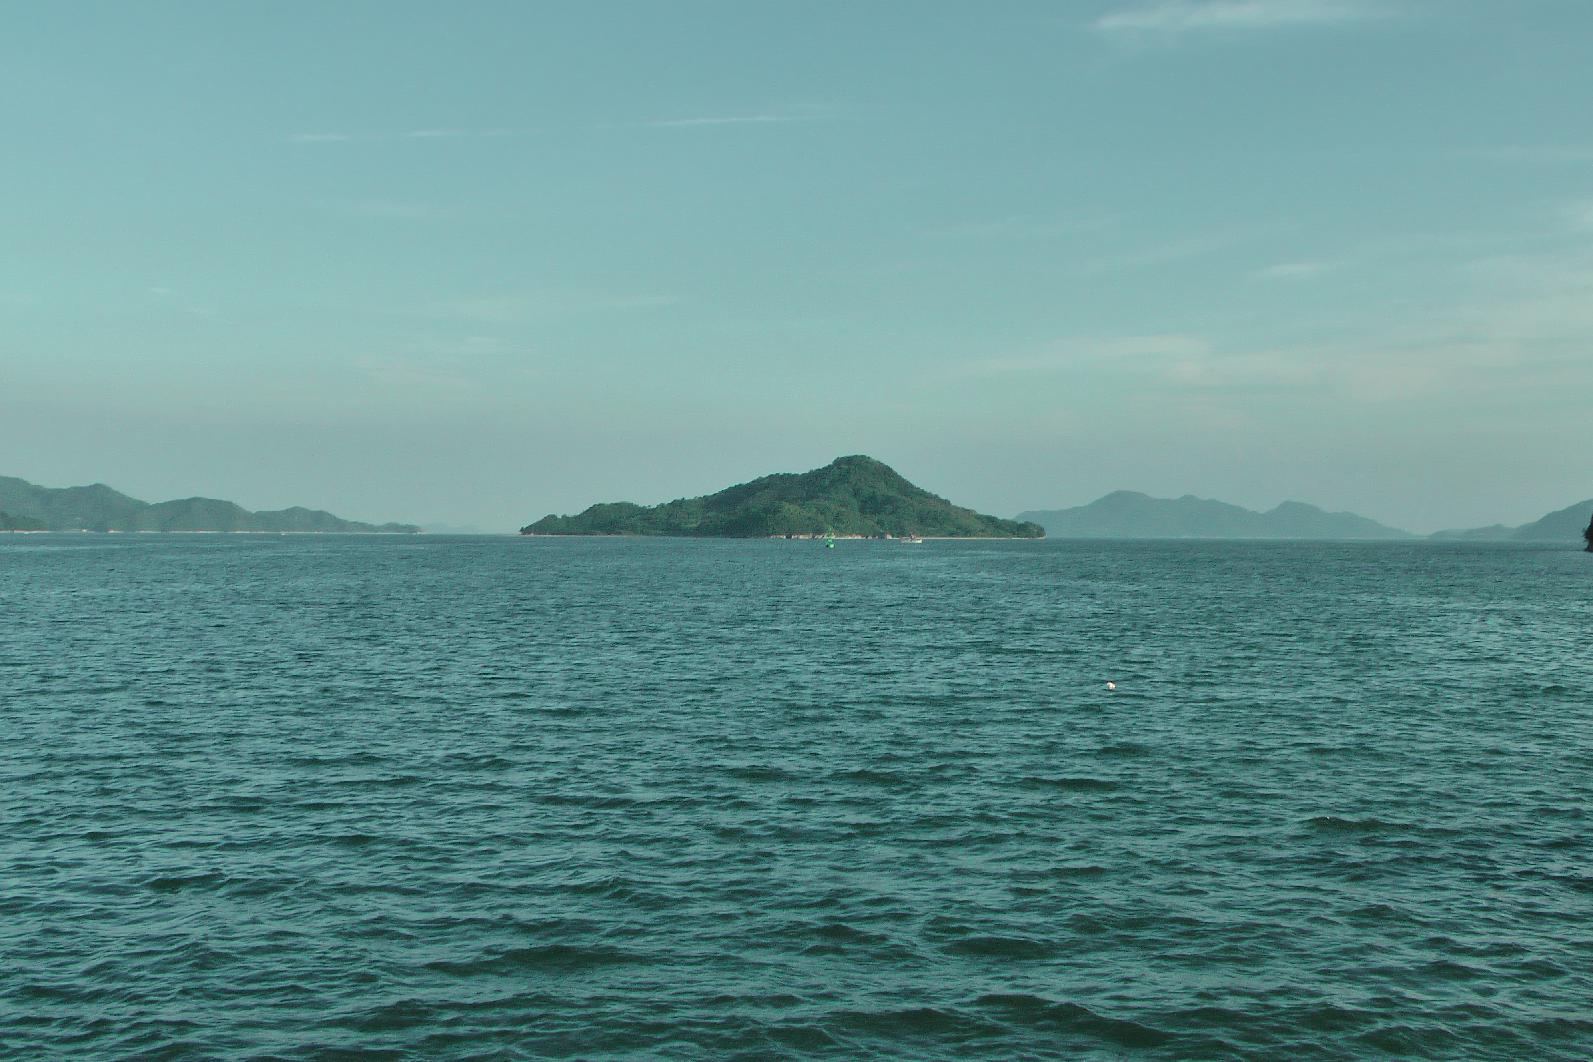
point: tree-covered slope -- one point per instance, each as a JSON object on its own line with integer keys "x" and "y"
{"x": 99, "y": 508}
{"x": 20, "y": 523}
{"x": 849, "y": 496}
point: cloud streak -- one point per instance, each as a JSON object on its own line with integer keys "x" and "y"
{"x": 729, "y": 119}
{"x": 1292, "y": 271}
{"x": 1181, "y": 17}
{"x": 509, "y": 308}
{"x": 1081, "y": 354}
{"x": 1537, "y": 154}
{"x": 411, "y": 134}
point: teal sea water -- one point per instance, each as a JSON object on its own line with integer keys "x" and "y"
{"x": 302, "y": 798}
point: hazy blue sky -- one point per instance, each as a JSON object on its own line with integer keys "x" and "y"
{"x": 477, "y": 262}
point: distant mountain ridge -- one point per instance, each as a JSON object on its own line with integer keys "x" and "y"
{"x": 1562, "y": 525}
{"x": 1130, "y": 514}
{"x": 854, "y": 495}
{"x": 100, "y": 508}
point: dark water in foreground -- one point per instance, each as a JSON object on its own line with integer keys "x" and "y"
{"x": 499, "y": 798}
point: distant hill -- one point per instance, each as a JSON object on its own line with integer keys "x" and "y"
{"x": 849, "y": 496}
{"x": 99, "y": 508}
{"x": 1129, "y": 514}
{"x": 1562, "y": 525}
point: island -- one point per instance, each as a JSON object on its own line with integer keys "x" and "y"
{"x": 854, "y": 496}
{"x": 99, "y": 508}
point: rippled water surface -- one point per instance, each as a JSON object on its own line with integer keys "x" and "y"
{"x": 314, "y": 797}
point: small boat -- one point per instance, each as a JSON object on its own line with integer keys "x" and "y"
{"x": 910, "y": 540}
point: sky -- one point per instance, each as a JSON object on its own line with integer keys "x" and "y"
{"x": 473, "y": 263}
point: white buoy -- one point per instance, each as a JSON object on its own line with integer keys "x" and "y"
{"x": 1110, "y": 686}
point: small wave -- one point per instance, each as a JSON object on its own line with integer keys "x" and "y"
{"x": 1124, "y": 749}
{"x": 354, "y": 840}
{"x": 760, "y": 773}
{"x": 909, "y": 1021}
{"x": 1076, "y": 784}
{"x": 997, "y": 947}
{"x": 1374, "y": 912}
{"x": 561, "y": 957}
{"x": 176, "y": 882}
{"x": 1336, "y": 824}
{"x": 1023, "y": 1009}
{"x": 1086, "y": 924}
{"x": 864, "y": 776}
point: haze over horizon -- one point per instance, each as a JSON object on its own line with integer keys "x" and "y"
{"x": 480, "y": 265}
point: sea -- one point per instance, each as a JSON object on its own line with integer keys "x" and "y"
{"x": 346, "y": 797}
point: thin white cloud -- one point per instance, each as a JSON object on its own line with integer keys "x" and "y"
{"x": 1078, "y": 354}
{"x": 460, "y": 134}
{"x": 433, "y": 133}
{"x": 1177, "y": 17}
{"x": 1293, "y": 270}
{"x": 1028, "y": 226}
{"x": 1537, "y": 154}
{"x": 729, "y": 119}
{"x": 399, "y": 210}
{"x": 1580, "y": 216}
{"x": 1157, "y": 255}
{"x": 533, "y": 305}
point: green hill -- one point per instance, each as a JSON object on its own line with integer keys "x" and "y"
{"x": 99, "y": 508}
{"x": 849, "y": 496}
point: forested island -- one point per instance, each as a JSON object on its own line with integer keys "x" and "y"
{"x": 854, "y": 495}
{"x": 27, "y": 507}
